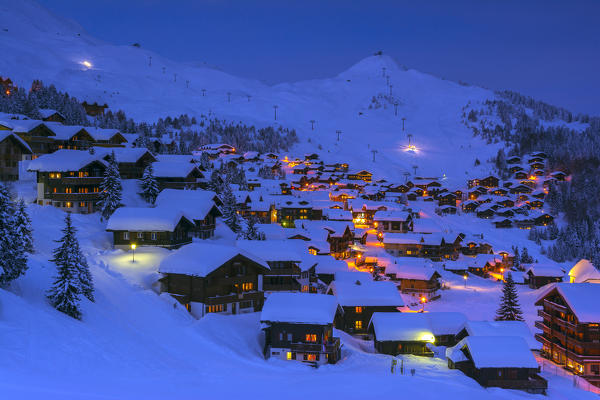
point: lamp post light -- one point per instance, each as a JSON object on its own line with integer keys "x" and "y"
{"x": 423, "y": 300}
{"x": 133, "y": 246}
{"x": 465, "y": 279}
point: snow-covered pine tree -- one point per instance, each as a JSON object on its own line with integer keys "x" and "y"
{"x": 251, "y": 232}
{"x": 204, "y": 161}
{"x": 13, "y": 258}
{"x": 215, "y": 183}
{"x": 23, "y": 226}
{"x": 64, "y": 295}
{"x": 69, "y": 253}
{"x": 110, "y": 188}
{"x": 509, "y": 309}
{"x": 229, "y": 209}
{"x": 517, "y": 258}
{"x": 149, "y": 185}
{"x": 525, "y": 257}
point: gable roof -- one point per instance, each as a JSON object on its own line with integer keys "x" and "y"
{"x": 502, "y": 328}
{"x": 357, "y": 293}
{"x": 64, "y": 160}
{"x": 495, "y": 352}
{"x": 584, "y": 271}
{"x": 4, "y": 135}
{"x": 271, "y": 250}
{"x": 407, "y": 327}
{"x": 580, "y": 297}
{"x": 158, "y": 219}
{"x": 301, "y": 308}
{"x": 200, "y": 259}
{"x": 194, "y": 204}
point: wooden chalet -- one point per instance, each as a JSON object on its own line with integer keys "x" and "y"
{"x": 490, "y": 181}
{"x": 571, "y": 328}
{"x": 13, "y": 149}
{"x": 420, "y": 282}
{"x": 49, "y": 115}
{"x": 198, "y": 206}
{"x": 142, "y": 226}
{"x": 131, "y": 161}
{"x": 360, "y": 299}
{"x": 178, "y": 175}
{"x": 283, "y": 260}
{"x": 299, "y": 327}
{"x": 69, "y": 180}
{"x": 541, "y": 275}
{"x": 498, "y": 361}
{"x": 210, "y": 278}
{"x": 393, "y": 221}
{"x": 37, "y": 134}
{"x": 434, "y": 246}
{"x": 361, "y": 175}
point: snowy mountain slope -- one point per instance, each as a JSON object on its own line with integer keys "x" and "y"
{"x": 53, "y": 50}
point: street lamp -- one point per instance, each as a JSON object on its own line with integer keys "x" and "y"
{"x": 465, "y": 278}
{"x": 133, "y": 246}
{"x": 423, "y": 300}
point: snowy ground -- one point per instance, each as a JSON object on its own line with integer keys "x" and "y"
{"x": 133, "y": 343}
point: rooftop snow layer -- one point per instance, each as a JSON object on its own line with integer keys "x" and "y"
{"x": 301, "y": 308}
{"x": 357, "y": 293}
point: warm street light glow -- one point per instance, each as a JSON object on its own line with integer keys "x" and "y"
{"x": 86, "y": 64}
{"x": 133, "y": 246}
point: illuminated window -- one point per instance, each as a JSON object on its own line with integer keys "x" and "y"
{"x": 247, "y": 286}
{"x": 408, "y": 251}
{"x": 215, "y": 308}
{"x": 68, "y": 190}
{"x": 358, "y": 310}
{"x": 311, "y": 338}
{"x": 289, "y": 355}
{"x": 96, "y": 190}
{"x": 82, "y": 204}
{"x": 53, "y": 190}
{"x": 68, "y": 204}
{"x": 358, "y": 324}
{"x": 83, "y": 174}
{"x": 310, "y": 357}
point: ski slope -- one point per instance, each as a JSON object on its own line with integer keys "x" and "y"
{"x": 39, "y": 45}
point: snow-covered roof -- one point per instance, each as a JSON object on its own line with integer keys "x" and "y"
{"x": 195, "y": 204}
{"x": 335, "y": 214}
{"x": 47, "y": 112}
{"x": 271, "y": 250}
{"x": 103, "y": 133}
{"x": 301, "y": 308}
{"x": 64, "y": 132}
{"x": 329, "y": 265}
{"x": 133, "y": 219}
{"x": 374, "y": 293}
{"x": 584, "y": 271}
{"x": 64, "y": 160}
{"x": 397, "y": 326}
{"x": 496, "y": 352}
{"x": 124, "y": 154}
{"x": 581, "y": 299}
{"x": 391, "y": 215}
{"x": 549, "y": 270}
{"x": 4, "y": 134}
{"x": 446, "y": 323}
{"x": 502, "y": 328}
{"x": 418, "y": 269}
{"x": 202, "y": 258}
{"x": 173, "y": 169}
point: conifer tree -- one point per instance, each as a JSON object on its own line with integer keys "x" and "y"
{"x": 509, "y": 309}
{"x": 110, "y": 188}
{"x": 229, "y": 209}
{"x": 251, "y": 232}
{"x": 64, "y": 294}
{"x": 23, "y": 226}
{"x": 13, "y": 258}
{"x": 150, "y": 189}
{"x": 69, "y": 257}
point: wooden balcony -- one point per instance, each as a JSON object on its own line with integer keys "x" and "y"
{"x": 231, "y": 298}
{"x": 72, "y": 196}
{"x": 554, "y": 306}
{"x": 330, "y": 347}
{"x": 87, "y": 180}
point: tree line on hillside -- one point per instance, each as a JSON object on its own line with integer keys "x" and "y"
{"x": 522, "y": 124}
{"x": 189, "y": 132}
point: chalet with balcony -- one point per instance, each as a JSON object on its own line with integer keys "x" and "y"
{"x": 360, "y": 299}
{"x": 361, "y": 175}
{"x": 178, "y": 175}
{"x": 283, "y": 260}
{"x": 69, "y": 180}
{"x": 131, "y": 161}
{"x": 498, "y": 361}
{"x": 490, "y": 181}
{"x": 13, "y": 149}
{"x": 50, "y": 115}
{"x": 299, "y": 327}
{"x": 143, "y": 226}
{"x": 210, "y": 278}
{"x": 37, "y": 134}
{"x": 106, "y": 137}
{"x": 70, "y": 137}
{"x": 421, "y": 282}
{"x": 393, "y": 221}
{"x": 435, "y": 246}
{"x": 571, "y": 328}
{"x": 199, "y": 206}
{"x": 539, "y": 275}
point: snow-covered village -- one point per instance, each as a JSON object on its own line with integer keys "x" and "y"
{"x": 168, "y": 229}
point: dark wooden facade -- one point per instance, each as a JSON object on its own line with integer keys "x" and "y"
{"x": 309, "y": 343}
{"x": 565, "y": 340}
{"x": 355, "y": 319}
{"x": 12, "y": 150}
{"x": 232, "y": 288}
{"x": 181, "y": 235}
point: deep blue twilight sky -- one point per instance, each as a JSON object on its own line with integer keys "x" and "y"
{"x": 544, "y": 48}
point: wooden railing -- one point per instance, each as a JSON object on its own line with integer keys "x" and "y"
{"x": 330, "y": 347}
